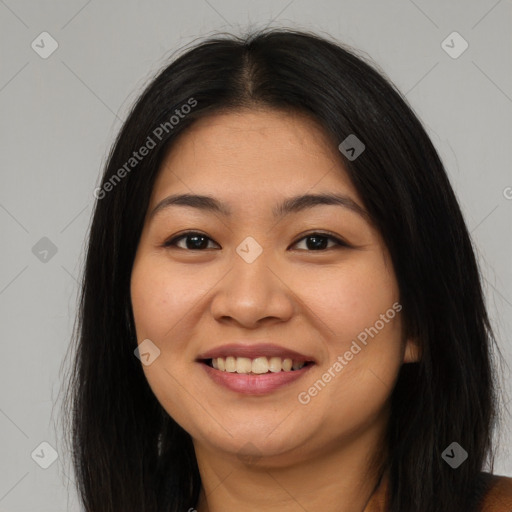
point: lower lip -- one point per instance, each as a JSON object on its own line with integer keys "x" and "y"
{"x": 254, "y": 384}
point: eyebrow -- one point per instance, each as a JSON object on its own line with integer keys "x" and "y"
{"x": 290, "y": 205}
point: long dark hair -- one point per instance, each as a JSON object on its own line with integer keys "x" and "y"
{"x": 127, "y": 453}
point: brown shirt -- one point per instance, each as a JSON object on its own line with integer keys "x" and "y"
{"x": 497, "y": 499}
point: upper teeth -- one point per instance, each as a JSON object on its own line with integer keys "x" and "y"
{"x": 258, "y": 365}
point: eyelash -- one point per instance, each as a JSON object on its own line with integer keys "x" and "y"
{"x": 340, "y": 243}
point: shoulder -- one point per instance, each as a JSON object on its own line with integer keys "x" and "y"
{"x": 498, "y": 497}
{"x": 492, "y": 493}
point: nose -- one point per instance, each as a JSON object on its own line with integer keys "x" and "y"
{"x": 253, "y": 293}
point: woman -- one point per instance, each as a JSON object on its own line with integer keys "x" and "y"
{"x": 281, "y": 307}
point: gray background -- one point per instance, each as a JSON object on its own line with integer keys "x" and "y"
{"x": 59, "y": 116}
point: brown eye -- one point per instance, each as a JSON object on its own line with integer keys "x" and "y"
{"x": 194, "y": 241}
{"x": 319, "y": 241}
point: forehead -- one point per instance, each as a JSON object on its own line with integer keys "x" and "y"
{"x": 253, "y": 152}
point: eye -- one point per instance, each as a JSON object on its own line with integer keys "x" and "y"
{"x": 319, "y": 241}
{"x": 194, "y": 241}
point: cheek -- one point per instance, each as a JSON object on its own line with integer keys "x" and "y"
{"x": 160, "y": 298}
{"x": 161, "y": 301}
{"x": 359, "y": 307}
{"x": 351, "y": 297}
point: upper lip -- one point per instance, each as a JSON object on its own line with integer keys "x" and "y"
{"x": 254, "y": 350}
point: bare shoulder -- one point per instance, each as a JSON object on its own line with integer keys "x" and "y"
{"x": 499, "y": 496}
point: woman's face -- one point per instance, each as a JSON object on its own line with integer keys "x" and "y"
{"x": 261, "y": 282}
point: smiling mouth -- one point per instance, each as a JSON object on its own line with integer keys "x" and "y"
{"x": 255, "y": 366}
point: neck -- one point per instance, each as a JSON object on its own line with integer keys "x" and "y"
{"x": 342, "y": 478}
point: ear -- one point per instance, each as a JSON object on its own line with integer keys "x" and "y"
{"x": 412, "y": 351}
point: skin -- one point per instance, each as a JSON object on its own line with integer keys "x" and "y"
{"x": 322, "y": 455}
